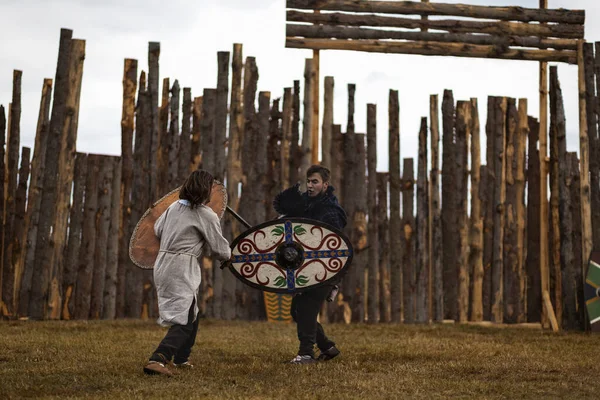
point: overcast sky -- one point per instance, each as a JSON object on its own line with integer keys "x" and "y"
{"x": 191, "y": 33}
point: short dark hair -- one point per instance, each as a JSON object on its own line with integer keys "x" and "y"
{"x": 197, "y": 187}
{"x": 321, "y": 170}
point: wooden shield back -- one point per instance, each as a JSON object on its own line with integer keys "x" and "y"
{"x": 255, "y": 255}
{"x": 144, "y": 245}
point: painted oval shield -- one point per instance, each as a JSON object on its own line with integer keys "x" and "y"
{"x": 290, "y": 255}
{"x": 144, "y": 245}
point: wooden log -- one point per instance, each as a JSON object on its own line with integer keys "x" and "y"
{"x": 476, "y": 222}
{"x": 273, "y": 157}
{"x": 75, "y": 235}
{"x": 395, "y": 234}
{"x": 112, "y": 256}
{"x": 408, "y": 241}
{"x": 516, "y": 32}
{"x": 591, "y": 70}
{"x": 434, "y": 49}
{"x": 13, "y": 146}
{"x": 316, "y": 103}
{"x": 103, "y": 217}
{"x": 207, "y": 129}
{"x": 550, "y": 311}
{"x": 543, "y": 154}
{"x": 422, "y": 266}
{"x": 337, "y": 160}
{"x": 19, "y": 232}
{"x": 344, "y": 32}
{"x": 555, "y": 120}
{"x": 461, "y": 170}
{"x": 127, "y": 127}
{"x": 185, "y": 140}
{"x": 586, "y": 216}
{"x": 250, "y": 116}
{"x": 350, "y": 290}
{"x": 449, "y": 232}
{"x": 66, "y": 163}
{"x": 512, "y": 273}
{"x": 173, "y": 142}
{"x": 359, "y": 226}
{"x": 231, "y": 302}
{"x": 328, "y": 100}
{"x": 195, "y": 146}
{"x": 162, "y": 157}
{"x": 221, "y": 115}
{"x": 155, "y": 139}
{"x": 86, "y": 263}
{"x": 295, "y": 154}
{"x": 532, "y": 268}
{"x": 139, "y": 194}
{"x": 34, "y": 193}
{"x": 43, "y": 253}
{"x": 577, "y": 261}
{"x": 307, "y": 134}
{"x": 286, "y": 137}
{"x": 499, "y": 129}
{"x": 2, "y": 183}
{"x": 459, "y": 10}
{"x": 487, "y": 196}
{"x": 383, "y": 235}
{"x": 523, "y": 132}
{"x": 373, "y": 308}
{"x": 435, "y": 216}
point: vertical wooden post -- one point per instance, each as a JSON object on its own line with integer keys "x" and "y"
{"x": 221, "y": 116}
{"x": 43, "y": 252}
{"x": 449, "y": 233}
{"x": 162, "y": 157}
{"x": 576, "y": 213}
{"x": 586, "y": 218}
{"x": 522, "y": 133}
{"x": 487, "y": 192}
{"x": 207, "y": 129}
{"x": 195, "y": 146}
{"x": 499, "y": 129}
{"x": 372, "y": 227}
{"x": 74, "y": 240}
{"x": 66, "y": 161}
{"x": 593, "y": 114}
{"x": 185, "y": 140}
{"x": 127, "y": 128}
{"x": 273, "y": 157}
{"x": 476, "y": 223}
{"x": 408, "y": 241}
{"x": 86, "y": 263}
{"x": 543, "y": 152}
{"x": 384, "y": 247}
{"x": 112, "y": 256}
{"x": 286, "y": 137}
{"x": 435, "y": 216}
{"x": 461, "y": 170}
{"x": 307, "y": 131}
{"x": 395, "y": 223}
{"x": 327, "y": 122}
{"x": 7, "y": 279}
{"x": 295, "y": 152}
{"x": 316, "y": 102}
{"x": 2, "y": 183}
{"x": 155, "y": 139}
{"x": 172, "y": 150}
{"x": 359, "y": 225}
{"x": 337, "y": 160}
{"x": 19, "y": 232}
{"x": 422, "y": 265}
{"x": 554, "y": 193}
{"x": 34, "y": 193}
{"x": 534, "y": 293}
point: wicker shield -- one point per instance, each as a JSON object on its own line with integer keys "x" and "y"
{"x": 591, "y": 291}
{"x": 290, "y": 255}
{"x": 144, "y": 245}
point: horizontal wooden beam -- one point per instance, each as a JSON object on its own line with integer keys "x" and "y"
{"x": 434, "y": 49}
{"x": 566, "y": 31}
{"x": 458, "y": 10}
{"x": 342, "y": 32}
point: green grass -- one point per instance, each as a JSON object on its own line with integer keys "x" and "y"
{"x": 104, "y": 359}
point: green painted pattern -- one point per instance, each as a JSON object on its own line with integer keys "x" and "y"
{"x": 593, "y": 275}
{"x": 593, "y": 307}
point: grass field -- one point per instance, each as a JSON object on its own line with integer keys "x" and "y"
{"x": 245, "y": 360}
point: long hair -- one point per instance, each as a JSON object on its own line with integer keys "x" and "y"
{"x": 197, "y": 188}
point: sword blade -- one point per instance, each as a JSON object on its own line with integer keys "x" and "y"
{"x": 239, "y": 218}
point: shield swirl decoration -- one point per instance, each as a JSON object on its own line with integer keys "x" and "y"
{"x": 591, "y": 291}
{"x": 290, "y": 255}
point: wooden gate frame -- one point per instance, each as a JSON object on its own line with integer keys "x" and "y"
{"x": 504, "y": 33}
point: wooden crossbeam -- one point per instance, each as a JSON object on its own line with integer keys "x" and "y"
{"x": 458, "y": 10}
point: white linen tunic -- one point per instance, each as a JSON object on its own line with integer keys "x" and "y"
{"x": 185, "y": 235}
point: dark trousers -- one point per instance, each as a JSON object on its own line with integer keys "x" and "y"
{"x": 305, "y": 309}
{"x": 177, "y": 343}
